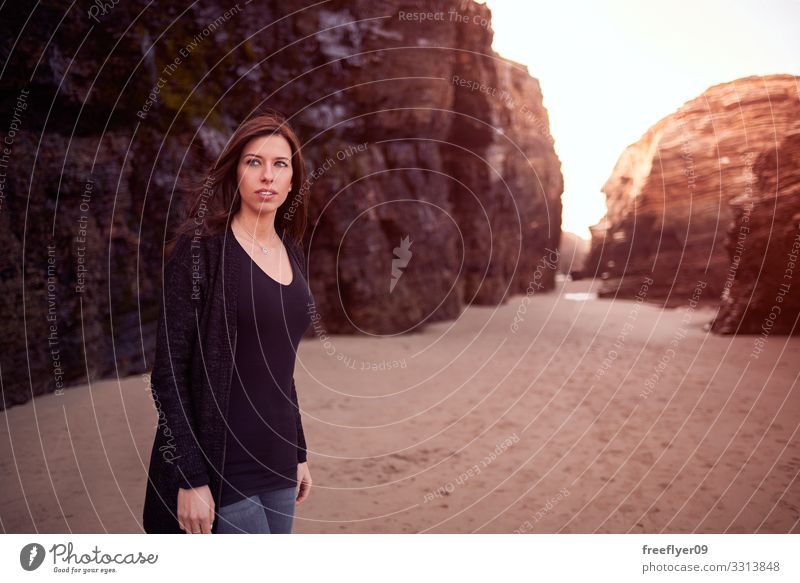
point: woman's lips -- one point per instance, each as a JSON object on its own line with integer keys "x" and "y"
{"x": 265, "y": 194}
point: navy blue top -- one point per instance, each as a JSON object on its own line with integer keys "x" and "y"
{"x": 264, "y": 440}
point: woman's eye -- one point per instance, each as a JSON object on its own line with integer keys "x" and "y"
{"x": 256, "y": 162}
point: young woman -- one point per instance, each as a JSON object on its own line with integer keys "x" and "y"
{"x": 229, "y": 455}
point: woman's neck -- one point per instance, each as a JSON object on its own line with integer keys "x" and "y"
{"x": 262, "y": 226}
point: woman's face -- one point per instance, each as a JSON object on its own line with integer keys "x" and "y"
{"x": 264, "y": 173}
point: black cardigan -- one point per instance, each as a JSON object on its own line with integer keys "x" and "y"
{"x": 192, "y": 372}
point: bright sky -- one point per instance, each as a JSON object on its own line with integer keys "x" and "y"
{"x": 609, "y": 70}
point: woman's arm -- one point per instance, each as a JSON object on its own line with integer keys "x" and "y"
{"x": 301, "y": 438}
{"x": 171, "y": 377}
{"x": 303, "y": 474}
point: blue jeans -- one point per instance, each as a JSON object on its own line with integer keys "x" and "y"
{"x": 265, "y": 513}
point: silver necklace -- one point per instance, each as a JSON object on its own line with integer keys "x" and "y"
{"x": 264, "y": 248}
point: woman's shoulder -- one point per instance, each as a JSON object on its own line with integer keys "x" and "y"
{"x": 293, "y": 245}
{"x": 187, "y": 239}
{"x": 191, "y": 251}
{"x": 295, "y": 250}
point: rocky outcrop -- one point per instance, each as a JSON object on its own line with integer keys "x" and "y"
{"x": 762, "y": 287}
{"x": 434, "y": 143}
{"x": 572, "y": 254}
{"x": 669, "y": 197}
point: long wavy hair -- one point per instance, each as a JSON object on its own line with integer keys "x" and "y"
{"x": 215, "y": 199}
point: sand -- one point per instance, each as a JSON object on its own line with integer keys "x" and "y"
{"x": 590, "y": 416}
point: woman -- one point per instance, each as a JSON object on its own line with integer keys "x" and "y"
{"x": 229, "y": 453}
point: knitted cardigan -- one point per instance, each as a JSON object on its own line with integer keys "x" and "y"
{"x": 192, "y": 373}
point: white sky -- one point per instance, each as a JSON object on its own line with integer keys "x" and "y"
{"x": 611, "y": 69}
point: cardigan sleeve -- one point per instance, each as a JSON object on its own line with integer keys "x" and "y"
{"x": 176, "y": 335}
{"x": 301, "y": 439}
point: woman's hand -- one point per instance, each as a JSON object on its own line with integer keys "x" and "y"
{"x": 195, "y": 510}
{"x": 303, "y": 482}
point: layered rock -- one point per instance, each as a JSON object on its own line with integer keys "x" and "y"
{"x": 762, "y": 287}
{"x": 438, "y": 149}
{"x": 669, "y": 213}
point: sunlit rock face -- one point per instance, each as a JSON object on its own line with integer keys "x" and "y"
{"x": 435, "y": 183}
{"x": 669, "y": 217}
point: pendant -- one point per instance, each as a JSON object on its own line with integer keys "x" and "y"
{"x": 266, "y": 250}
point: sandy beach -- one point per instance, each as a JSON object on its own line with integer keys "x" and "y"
{"x": 607, "y": 416}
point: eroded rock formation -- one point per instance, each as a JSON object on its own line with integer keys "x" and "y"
{"x": 669, "y": 197}
{"x": 762, "y": 287}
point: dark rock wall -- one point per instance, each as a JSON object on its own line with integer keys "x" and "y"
{"x": 432, "y": 137}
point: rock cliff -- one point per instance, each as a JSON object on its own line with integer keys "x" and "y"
{"x": 671, "y": 210}
{"x": 762, "y": 288}
{"x": 431, "y": 137}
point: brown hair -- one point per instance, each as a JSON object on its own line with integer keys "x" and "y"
{"x": 215, "y": 200}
